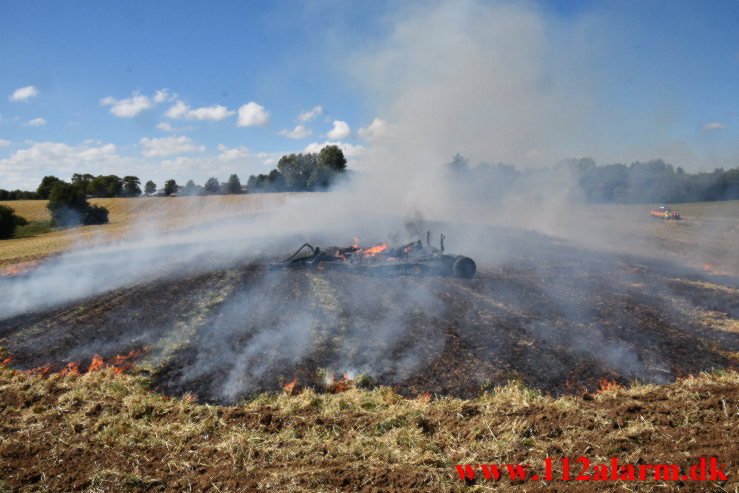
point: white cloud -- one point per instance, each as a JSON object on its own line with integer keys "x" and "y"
{"x": 233, "y": 154}
{"x": 182, "y": 110}
{"x": 129, "y": 107}
{"x": 168, "y": 146}
{"x": 350, "y": 151}
{"x": 4, "y": 143}
{"x": 377, "y": 128}
{"x": 237, "y": 160}
{"x": 341, "y": 130}
{"x": 165, "y": 126}
{"x": 215, "y": 113}
{"x": 178, "y": 110}
{"x": 306, "y": 116}
{"x": 299, "y": 132}
{"x": 24, "y": 93}
{"x": 252, "y": 114}
{"x": 713, "y": 126}
{"x": 36, "y": 122}
{"x": 163, "y": 95}
{"x": 25, "y": 167}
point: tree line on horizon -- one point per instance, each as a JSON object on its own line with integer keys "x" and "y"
{"x": 68, "y": 205}
{"x": 294, "y": 173}
{"x": 637, "y": 183}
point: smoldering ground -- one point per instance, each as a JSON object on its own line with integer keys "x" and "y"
{"x": 558, "y": 321}
{"x": 486, "y": 80}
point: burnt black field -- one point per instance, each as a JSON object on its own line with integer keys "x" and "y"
{"x": 555, "y": 317}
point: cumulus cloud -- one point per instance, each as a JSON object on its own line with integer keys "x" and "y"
{"x": 25, "y": 167}
{"x": 24, "y": 93}
{"x": 165, "y": 126}
{"x": 181, "y": 110}
{"x": 252, "y": 114}
{"x": 163, "y": 95}
{"x": 299, "y": 132}
{"x": 4, "y": 143}
{"x": 229, "y": 160}
{"x": 350, "y": 150}
{"x": 178, "y": 110}
{"x": 132, "y": 106}
{"x": 36, "y": 122}
{"x": 168, "y": 146}
{"x": 233, "y": 153}
{"x": 306, "y": 116}
{"x": 215, "y": 113}
{"x": 713, "y": 126}
{"x": 377, "y": 128}
{"x": 128, "y": 107}
{"x": 341, "y": 130}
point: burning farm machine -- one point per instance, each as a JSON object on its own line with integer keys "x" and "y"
{"x": 413, "y": 258}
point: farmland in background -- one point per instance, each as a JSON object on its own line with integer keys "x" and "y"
{"x": 705, "y": 238}
{"x": 128, "y": 217}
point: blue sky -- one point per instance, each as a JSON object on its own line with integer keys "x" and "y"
{"x": 196, "y": 89}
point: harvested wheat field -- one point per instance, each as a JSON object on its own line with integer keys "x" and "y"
{"x": 128, "y": 217}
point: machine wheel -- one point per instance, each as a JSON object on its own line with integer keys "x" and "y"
{"x": 464, "y": 267}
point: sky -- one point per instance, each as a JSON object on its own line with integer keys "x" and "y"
{"x": 189, "y": 90}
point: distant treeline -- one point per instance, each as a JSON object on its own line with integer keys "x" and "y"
{"x": 17, "y": 195}
{"x": 637, "y": 183}
{"x": 294, "y": 173}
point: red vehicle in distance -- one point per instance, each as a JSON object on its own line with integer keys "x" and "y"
{"x": 664, "y": 213}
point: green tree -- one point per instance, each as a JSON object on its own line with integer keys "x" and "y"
{"x": 69, "y": 207}
{"x": 233, "y": 184}
{"x": 296, "y": 168}
{"x": 333, "y": 157}
{"x": 131, "y": 186}
{"x": 9, "y": 221}
{"x": 44, "y": 189}
{"x": 212, "y": 185}
{"x": 150, "y": 187}
{"x": 190, "y": 188}
{"x": 170, "y": 187}
{"x": 106, "y": 186}
{"x": 320, "y": 177}
{"x": 82, "y": 181}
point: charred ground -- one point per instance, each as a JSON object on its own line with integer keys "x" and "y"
{"x": 561, "y": 321}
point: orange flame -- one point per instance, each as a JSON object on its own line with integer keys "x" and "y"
{"x": 371, "y": 252}
{"x": 20, "y": 268}
{"x": 336, "y": 386}
{"x": 355, "y": 242}
{"x": 425, "y": 397}
{"x": 6, "y": 361}
{"x": 72, "y": 368}
{"x": 120, "y": 362}
{"x": 40, "y": 370}
{"x": 96, "y": 364}
{"x": 292, "y": 387}
{"x": 606, "y": 385}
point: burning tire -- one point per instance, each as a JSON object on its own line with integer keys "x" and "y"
{"x": 464, "y": 267}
